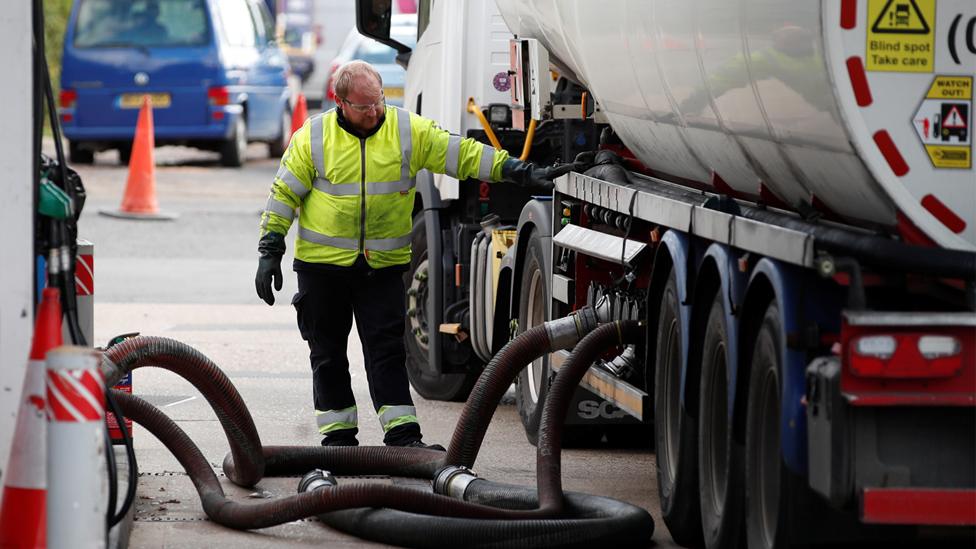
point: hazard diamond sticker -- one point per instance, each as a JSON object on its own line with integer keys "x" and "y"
{"x": 944, "y": 122}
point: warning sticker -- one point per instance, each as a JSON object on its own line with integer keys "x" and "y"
{"x": 900, "y": 35}
{"x": 944, "y": 122}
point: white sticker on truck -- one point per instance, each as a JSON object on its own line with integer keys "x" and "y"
{"x": 943, "y": 121}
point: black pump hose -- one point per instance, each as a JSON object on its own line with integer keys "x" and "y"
{"x": 216, "y": 387}
{"x": 565, "y": 519}
{"x": 264, "y": 514}
{"x": 488, "y": 391}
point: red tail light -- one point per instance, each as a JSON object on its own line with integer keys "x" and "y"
{"x": 68, "y": 98}
{"x": 905, "y": 355}
{"x": 218, "y": 96}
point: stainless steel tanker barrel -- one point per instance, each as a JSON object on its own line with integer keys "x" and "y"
{"x": 860, "y": 107}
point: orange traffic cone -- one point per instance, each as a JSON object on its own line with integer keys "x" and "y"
{"x": 139, "y": 201}
{"x": 301, "y": 113}
{"x": 22, "y": 518}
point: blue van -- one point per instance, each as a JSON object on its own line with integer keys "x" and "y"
{"x": 215, "y": 76}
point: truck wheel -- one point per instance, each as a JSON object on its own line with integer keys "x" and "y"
{"x": 417, "y": 333}
{"x": 675, "y": 431}
{"x": 78, "y": 155}
{"x": 768, "y": 493}
{"x": 233, "y": 152}
{"x": 719, "y": 455}
{"x": 533, "y": 380}
{"x": 276, "y": 148}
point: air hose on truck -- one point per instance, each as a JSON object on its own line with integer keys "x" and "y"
{"x": 462, "y": 508}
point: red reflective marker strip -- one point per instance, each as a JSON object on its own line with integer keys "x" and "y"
{"x": 942, "y": 212}
{"x": 859, "y": 81}
{"x": 848, "y": 14}
{"x": 945, "y": 507}
{"x": 85, "y": 275}
{"x": 887, "y": 147}
{"x": 74, "y": 399}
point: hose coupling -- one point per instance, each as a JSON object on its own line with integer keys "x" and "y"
{"x": 453, "y": 480}
{"x": 623, "y": 366}
{"x": 567, "y": 331}
{"x": 315, "y": 479}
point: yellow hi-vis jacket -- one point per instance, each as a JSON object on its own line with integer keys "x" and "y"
{"x": 356, "y": 195}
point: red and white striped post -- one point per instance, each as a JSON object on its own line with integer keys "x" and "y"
{"x": 77, "y": 493}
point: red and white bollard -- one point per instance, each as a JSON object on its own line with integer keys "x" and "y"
{"x": 77, "y": 493}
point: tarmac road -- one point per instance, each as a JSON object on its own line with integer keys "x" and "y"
{"x": 191, "y": 279}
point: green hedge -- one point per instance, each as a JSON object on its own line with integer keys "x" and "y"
{"x": 55, "y": 22}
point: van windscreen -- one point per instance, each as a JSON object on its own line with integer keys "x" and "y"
{"x": 141, "y": 23}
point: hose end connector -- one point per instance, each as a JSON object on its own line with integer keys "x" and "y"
{"x": 315, "y": 479}
{"x": 567, "y": 331}
{"x": 453, "y": 480}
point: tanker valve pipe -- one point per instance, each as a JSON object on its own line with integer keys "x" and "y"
{"x": 453, "y": 481}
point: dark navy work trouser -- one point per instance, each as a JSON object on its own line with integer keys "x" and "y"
{"x": 327, "y": 300}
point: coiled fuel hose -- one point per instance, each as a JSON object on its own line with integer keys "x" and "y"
{"x": 465, "y": 509}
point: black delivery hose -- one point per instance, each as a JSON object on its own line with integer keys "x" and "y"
{"x": 574, "y": 520}
{"x": 337, "y": 501}
{"x": 216, "y": 387}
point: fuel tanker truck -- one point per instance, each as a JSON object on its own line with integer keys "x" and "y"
{"x": 781, "y": 191}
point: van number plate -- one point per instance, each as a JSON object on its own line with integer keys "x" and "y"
{"x": 134, "y": 100}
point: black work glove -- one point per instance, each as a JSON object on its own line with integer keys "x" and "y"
{"x": 526, "y": 174}
{"x": 271, "y": 247}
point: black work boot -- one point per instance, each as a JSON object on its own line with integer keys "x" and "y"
{"x": 342, "y": 437}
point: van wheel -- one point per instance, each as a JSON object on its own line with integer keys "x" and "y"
{"x": 276, "y": 148}
{"x": 430, "y": 385}
{"x": 125, "y": 153}
{"x": 78, "y": 155}
{"x": 676, "y": 432}
{"x": 719, "y": 455}
{"x": 233, "y": 152}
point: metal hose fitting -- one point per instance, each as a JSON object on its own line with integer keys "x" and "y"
{"x": 315, "y": 479}
{"x": 453, "y": 481}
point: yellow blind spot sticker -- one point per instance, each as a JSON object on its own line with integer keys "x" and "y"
{"x": 900, "y": 35}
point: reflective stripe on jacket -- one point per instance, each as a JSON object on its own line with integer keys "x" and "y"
{"x": 356, "y": 195}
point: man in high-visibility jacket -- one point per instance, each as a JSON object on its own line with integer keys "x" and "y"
{"x": 350, "y": 173}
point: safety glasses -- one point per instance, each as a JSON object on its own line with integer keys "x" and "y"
{"x": 378, "y": 106}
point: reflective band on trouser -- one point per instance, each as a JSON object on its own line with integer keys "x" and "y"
{"x": 292, "y": 181}
{"x": 453, "y": 155}
{"x": 406, "y": 142}
{"x": 394, "y": 416}
{"x": 487, "y": 160}
{"x": 318, "y": 153}
{"x": 280, "y": 208}
{"x": 335, "y": 420}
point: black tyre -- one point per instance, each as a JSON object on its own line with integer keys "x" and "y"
{"x": 769, "y": 489}
{"x": 277, "y": 147}
{"x": 125, "y": 153}
{"x": 533, "y": 380}
{"x": 78, "y": 155}
{"x": 233, "y": 152}
{"x": 417, "y": 332}
{"x": 676, "y": 433}
{"x": 719, "y": 455}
